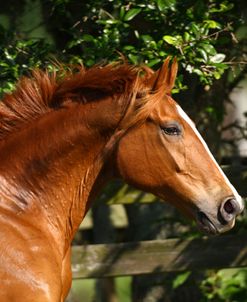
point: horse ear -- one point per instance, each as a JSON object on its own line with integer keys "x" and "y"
{"x": 165, "y": 77}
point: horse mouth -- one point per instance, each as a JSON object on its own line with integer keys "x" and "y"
{"x": 205, "y": 224}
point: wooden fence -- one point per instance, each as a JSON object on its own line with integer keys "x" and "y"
{"x": 104, "y": 260}
{"x": 156, "y": 256}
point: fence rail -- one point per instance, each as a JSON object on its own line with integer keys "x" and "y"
{"x": 109, "y": 260}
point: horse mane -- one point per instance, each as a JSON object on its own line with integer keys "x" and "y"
{"x": 44, "y": 91}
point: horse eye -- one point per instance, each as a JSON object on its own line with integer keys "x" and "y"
{"x": 171, "y": 130}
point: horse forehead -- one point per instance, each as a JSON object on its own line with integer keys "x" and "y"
{"x": 167, "y": 109}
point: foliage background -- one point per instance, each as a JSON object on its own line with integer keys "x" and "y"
{"x": 208, "y": 37}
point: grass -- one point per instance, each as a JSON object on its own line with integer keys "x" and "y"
{"x": 84, "y": 290}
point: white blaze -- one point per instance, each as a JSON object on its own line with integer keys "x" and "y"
{"x": 191, "y": 124}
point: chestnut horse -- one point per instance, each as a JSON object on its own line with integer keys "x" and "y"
{"x": 64, "y": 135}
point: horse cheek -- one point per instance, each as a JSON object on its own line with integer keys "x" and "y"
{"x": 134, "y": 160}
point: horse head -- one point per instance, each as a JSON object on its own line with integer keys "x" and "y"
{"x": 166, "y": 155}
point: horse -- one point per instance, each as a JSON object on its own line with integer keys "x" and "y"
{"x": 64, "y": 135}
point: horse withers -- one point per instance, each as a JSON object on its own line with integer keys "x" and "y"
{"x": 64, "y": 136}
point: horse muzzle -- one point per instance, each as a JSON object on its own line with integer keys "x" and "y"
{"x": 224, "y": 219}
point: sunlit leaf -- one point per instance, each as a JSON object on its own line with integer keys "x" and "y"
{"x": 132, "y": 13}
{"x": 173, "y": 40}
{"x": 186, "y": 36}
{"x": 180, "y": 279}
{"x": 164, "y": 4}
{"x": 217, "y": 75}
{"x": 212, "y": 24}
{"x": 209, "y": 48}
{"x": 218, "y": 58}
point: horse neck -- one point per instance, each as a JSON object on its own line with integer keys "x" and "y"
{"x": 51, "y": 165}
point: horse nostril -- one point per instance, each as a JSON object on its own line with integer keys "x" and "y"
{"x": 229, "y": 207}
{"x": 228, "y": 210}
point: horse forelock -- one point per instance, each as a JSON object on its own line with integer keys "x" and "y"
{"x": 43, "y": 91}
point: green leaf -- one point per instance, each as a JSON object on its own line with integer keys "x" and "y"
{"x": 223, "y": 8}
{"x": 180, "y": 279}
{"x": 203, "y": 54}
{"x": 111, "y": 21}
{"x": 133, "y": 58}
{"x": 132, "y": 13}
{"x": 217, "y": 75}
{"x": 122, "y": 12}
{"x": 163, "y": 53}
{"x": 164, "y": 4}
{"x": 146, "y": 38}
{"x": 195, "y": 28}
{"x": 88, "y": 38}
{"x": 187, "y": 36}
{"x": 154, "y": 62}
{"x": 161, "y": 4}
{"x": 197, "y": 71}
{"x": 209, "y": 48}
{"x": 128, "y": 47}
{"x": 212, "y": 24}
{"x": 171, "y": 40}
{"x": 136, "y": 32}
